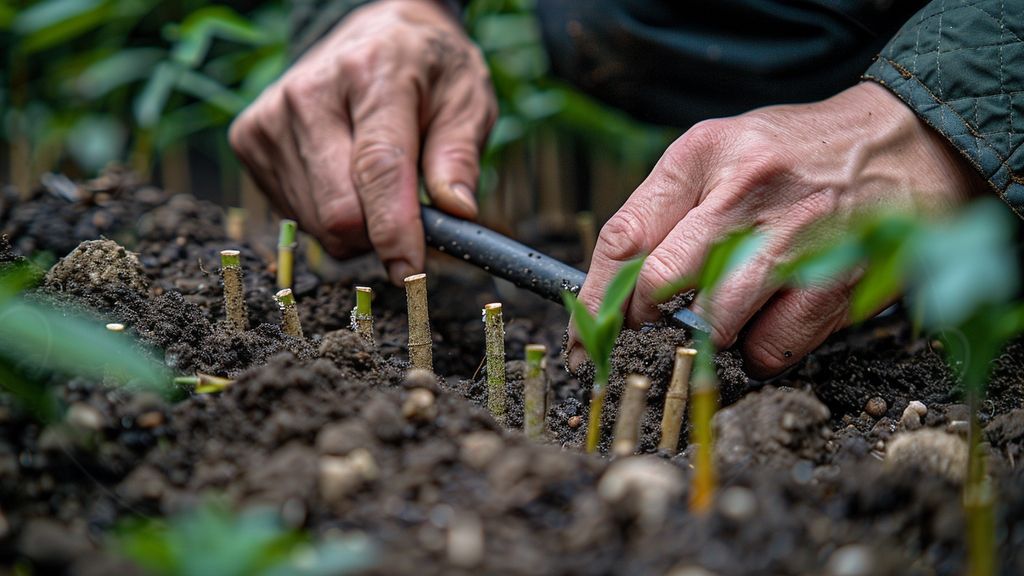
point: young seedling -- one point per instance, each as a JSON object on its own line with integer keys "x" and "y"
{"x": 598, "y": 334}
{"x": 234, "y": 290}
{"x": 362, "y": 314}
{"x": 631, "y": 412}
{"x": 203, "y": 383}
{"x": 724, "y": 257}
{"x": 494, "y": 333}
{"x": 535, "y": 391}
{"x": 675, "y": 399}
{"x": 286, "y": 253}
{"x": 290, "y": 324}
{"x": 421, "y": 353}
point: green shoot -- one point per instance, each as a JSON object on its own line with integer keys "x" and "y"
{"x": 214, "y": 541}
{"x": 598, "y": 334}
{"x": 724, "y": 257}
{"x": 286, "y": 253}
{"x": 204, "y": 383}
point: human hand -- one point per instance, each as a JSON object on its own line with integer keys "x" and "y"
{"x": 779, "y": 170}
{"x": 336, "y": 142}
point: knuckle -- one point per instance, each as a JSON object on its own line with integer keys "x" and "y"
{"x": 621, "y": 238}
{"x": 376, "y": 165}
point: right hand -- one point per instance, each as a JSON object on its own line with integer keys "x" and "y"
{"x": 336, "y": 142}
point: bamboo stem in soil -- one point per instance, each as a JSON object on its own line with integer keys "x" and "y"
{"x": 675, "y": 399}
{"x": 420, "y": 343}
{"x": 234, "y": 290}
{"x": 535, "y": 391}
{"x": 702, "y": 410}
{"x": 494, "y": 333}
{"x": 631, "y": 411}
{"x": 290, "y": 324}
{"x": 979, "y": 499}
{"x": 234, "y": 224}
{"x": 286, "y": 253}
{"x": 362, "y": 314}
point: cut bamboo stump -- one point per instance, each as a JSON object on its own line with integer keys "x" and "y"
{"x": 535, "y": 392}
{"x": 234, "y": 290}
{"x": 290, "y": 324}
{"x": 675, "y": 399}
{"x": 362, "y": 314}
{"x": 494, "y": 332}
{"x": 420, "y": 344}
{"x": 631, "y": 411}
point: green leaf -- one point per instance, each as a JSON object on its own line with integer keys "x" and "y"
{"x": 620, "y": 288}
{"x": 726, "y": 256}
{"x": 197, "y": 32}
{"x": 210, "y": 91}
{"x": 150, "y": 103}
{"x": 819, "y": 267}
{"x": 122, "y": 67}
{"x": 50, "y": 13}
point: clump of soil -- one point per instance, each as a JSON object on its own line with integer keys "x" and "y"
{"x": 97, "y": 266}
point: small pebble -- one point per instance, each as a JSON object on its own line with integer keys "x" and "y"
{"x": 959, "y": 427}
{"x": 419, "y": 406}
{"x": 929, "y": 451}
{"x": 737, "y": 503}
{"x": 689, "y": 571}
{"x": 84, "y": 417}
{"x": 466, "y": 540}
{"x": 149, "y": 420}
{"x": 479, "y": 449}
{"x": 851, "y": 560}
{"x": 644, "y": 486}
{"x": 343, "y": 475}
{"x": 876, "y": 407}
{"x": 575, "y": 421}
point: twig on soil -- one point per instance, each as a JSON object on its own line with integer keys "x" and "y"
{"x": 290, "y": 324}
{"x": 204, "y": 383}
{"x": 234, "y": 290}
{"x": 675, "y": 399}
{"x": 286, "y": 253}
{"x": 631, "y": 411}
{"x": 494, "y": 332}
{"x": 362, "y": 314}
{"x": 421, "y": 353}
{"x": 535, "y": 391}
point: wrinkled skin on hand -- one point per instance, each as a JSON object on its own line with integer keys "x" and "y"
{"x": 779, "y": 170}
{"x": 339, "y": 141}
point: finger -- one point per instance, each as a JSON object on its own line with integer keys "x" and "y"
{"x": 322, "y": 133}
{"x": 384, "y": 160}
{"x": 249, "y": 144}
{"x": 680, "y": 255}
{"x": 451, "y": 150}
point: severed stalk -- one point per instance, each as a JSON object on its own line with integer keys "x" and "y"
{"x": 362, "y": 314}
{"x": 631, "y": 411}
{"x": 290, "y": 324}
{"x": 675, "y": 399}
{"x": 286, "y": 253}
{"x": 234, "y": 290}
{"x": 494, "y": 333}
{"x": 204, "y": 383}
{"x": 535, "y": 391}
{"x": 420, "y": 343}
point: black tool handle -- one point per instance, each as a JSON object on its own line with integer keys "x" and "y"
{"x": 500, "y": 255}
{"x": 523, "y": 266}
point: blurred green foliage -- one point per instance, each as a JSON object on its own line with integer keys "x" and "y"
{"x": 93, "y": 81}
{"x": 37, "y": 342}
{"x": 86, "y": 82}
{"x": 212, "y": 540}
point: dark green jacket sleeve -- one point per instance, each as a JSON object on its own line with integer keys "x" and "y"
{"x": 960, "y": 65}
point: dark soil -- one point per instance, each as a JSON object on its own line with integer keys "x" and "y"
{"x": 807, "y": 482}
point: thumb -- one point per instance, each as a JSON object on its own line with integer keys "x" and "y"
{"x": 451, "y": 158}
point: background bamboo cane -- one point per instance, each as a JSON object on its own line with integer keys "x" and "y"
{"x": 535, "y": 391}
{"x": 286, "y": 253}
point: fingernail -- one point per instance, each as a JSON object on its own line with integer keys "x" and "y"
{"x": 465, "y": 197}
{"x": 576, "y": 356}
{"x": 399, "y": 270}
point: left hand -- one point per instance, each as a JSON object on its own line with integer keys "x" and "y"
{"x": 780, "y": 170}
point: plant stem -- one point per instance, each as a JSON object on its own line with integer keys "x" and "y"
{"x": 675, "y": 399}
{"x": 594, "y": 421}
{"x": 286, "y": 253}
{"x": 234, "y": 290}
{"x": 702, "y": 410}
{"x": 979, "y": 499}
{"x": 203, "y": 383}
{"x": 362, "y": 314}
{"x": 494, "y": 332}
{"x": 535, "y": 391}
{"x": 420, "y": 343}
{"x": 290, "y": 324}
{"x": 631, "y": 411}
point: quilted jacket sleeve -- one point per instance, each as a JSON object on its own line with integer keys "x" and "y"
{"x": 960, "y": 65}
